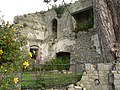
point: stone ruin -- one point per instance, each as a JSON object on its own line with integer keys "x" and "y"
{"x": 69, "y": 32}
{"x": 53, "y": 33}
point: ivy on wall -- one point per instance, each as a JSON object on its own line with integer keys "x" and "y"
{"x": 59, "y": 10}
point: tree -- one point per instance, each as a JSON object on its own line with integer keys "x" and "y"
{"x": 12, "y": 57}
{"x": 107, "y": 16}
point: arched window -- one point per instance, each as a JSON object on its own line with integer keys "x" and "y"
{"x": 34, "y": 51}
{"x": 54, "y": 27}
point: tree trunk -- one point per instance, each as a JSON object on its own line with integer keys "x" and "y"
{"x": 107, "y": 24}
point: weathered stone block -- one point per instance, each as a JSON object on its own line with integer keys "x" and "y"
{"x": 85, "y": 78}
{"x": 118, "y": 66}
{"x": 104, "y": 67}
{"x": 95, "y": 72}
{"x": 114, "y": 72}
{"x": 78, "y": 83}
{"x": 89, "y": 67}
{"x": 78, "y": 88}
{"x": 117, "y": 81}
{"x": 84, "y": 89}
{"x": 117, "y": 76}
{"x": 82, "y": 85}
{"x": 117, "y": 87}
{"x": 105, "y": 87}
{"x": 71, "y": 89}
{"x": 71, "y": 86}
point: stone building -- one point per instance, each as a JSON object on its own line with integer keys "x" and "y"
{"x": 67, "y": 31}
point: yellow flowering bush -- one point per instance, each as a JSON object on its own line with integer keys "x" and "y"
{"x": 12, "y": 57}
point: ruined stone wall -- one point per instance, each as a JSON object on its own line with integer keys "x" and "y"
{"x": 80, "y": 6}
{"x": 98, "y": 77}
{"x": 116, "y": 76}
{"x": 102, "y": 76}
{"x": 38, "y": 29}
{"x": 83, "y": 46}
{"x": 86, "y": 48}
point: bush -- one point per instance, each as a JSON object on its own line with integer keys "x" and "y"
{"x": 61, "y": 64}
{"x": 56, "y": 64}
{"x": 47, "y": 66}
{"x": 12, "y": 56}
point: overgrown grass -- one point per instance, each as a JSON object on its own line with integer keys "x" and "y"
{"x": 49, "y": 79}
{"x": 28, "y": 79}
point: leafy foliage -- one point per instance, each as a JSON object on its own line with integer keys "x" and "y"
{"x": 51, "y": 80}
{"x": 48, "y": 80}
{"x": 59, "y": 10}
{"x": 12, "y": 56}
{"x": 56, "y": 64}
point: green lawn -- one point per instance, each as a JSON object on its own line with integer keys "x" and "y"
{"x": 49, "y": 79}
{"x": 28, "y": 79}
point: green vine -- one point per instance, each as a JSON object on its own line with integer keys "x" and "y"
{"x": 59, "y": 10}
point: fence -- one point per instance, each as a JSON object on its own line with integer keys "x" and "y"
{"x": 50, "y": 76}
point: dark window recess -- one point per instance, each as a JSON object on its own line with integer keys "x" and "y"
{"x": 63, "y": 55}
{"x": 54, "y": 28}
{"x": 84, "y": 20}
{"x": 64, "y": 58}
{"x": 34, "y": 52}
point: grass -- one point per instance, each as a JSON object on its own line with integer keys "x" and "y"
{"x": 49, "y": 79}
{"x": 28, "y": 79}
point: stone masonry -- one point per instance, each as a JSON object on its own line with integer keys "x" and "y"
{"x": 83, "y": 46}
{"x": 50, "y": 33}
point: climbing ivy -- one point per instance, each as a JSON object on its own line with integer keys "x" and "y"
{"x": 59, "y": 10}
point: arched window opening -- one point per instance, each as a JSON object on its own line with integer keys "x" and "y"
{"x": 54, "y": 28}
{"x": 34, "y": 51}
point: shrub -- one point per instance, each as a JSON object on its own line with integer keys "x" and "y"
{"x": 61, "y": 64}
{"x": 12, "y": 57}
{"x": 56, "y": 64}
{"x": 48, "y": 66}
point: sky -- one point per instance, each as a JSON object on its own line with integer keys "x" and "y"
{"x": 12, "y": 8}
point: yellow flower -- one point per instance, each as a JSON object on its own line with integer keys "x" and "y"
{"x": 15, "y": 80}
{"x": 1, "y": 52}
{"x": 1, "y": 67}
{"x": 30, "y": 54}
{"x": 5, "y": 71}
{"x": 34, "y": 52}
{"x": 4, "y": 37}
{"x": 26, "y": 64}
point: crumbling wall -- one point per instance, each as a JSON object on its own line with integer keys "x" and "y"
{"x": 96, "y": 77}
{"x": 82, "y": 46}
{"x": 101, "y": 76}
{"x": 116, "y": 76}
{"x": 80, "y": 5}
{"x": 86, "y": 48}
